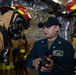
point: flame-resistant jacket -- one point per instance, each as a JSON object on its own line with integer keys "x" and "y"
{"x": 22, "y": 44}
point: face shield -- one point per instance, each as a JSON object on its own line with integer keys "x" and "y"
{"x": 17, "y": 27}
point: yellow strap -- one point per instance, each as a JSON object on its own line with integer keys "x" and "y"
{"x": 73, "y": 7}
{"x": 20, "y": 11}
{"x": 11, "y": 65}
{"x": 2, "y": 66}
{"x": 13, "y": 7}
{"x": 25, "y": 56}
{"x": 22, "y": 51}
{"x": 7, "y": 67}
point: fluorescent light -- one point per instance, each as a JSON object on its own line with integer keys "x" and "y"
{"x": 56, "y": 1}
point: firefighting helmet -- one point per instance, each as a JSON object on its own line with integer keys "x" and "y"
{"x": 22, "y": 20}
{"x": 18, "y": 9}
{"x": 22, "y": 11}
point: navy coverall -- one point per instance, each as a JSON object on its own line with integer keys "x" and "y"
{"x": 62, "y": 54}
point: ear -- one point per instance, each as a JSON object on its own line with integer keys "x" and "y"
{"x": 57, "y": 28}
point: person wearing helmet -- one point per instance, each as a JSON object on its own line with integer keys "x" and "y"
{"x": 14, "y": 45}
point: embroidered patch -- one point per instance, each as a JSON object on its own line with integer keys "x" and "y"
{"x": 58, "y": 53}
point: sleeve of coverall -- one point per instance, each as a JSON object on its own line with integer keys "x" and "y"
{"x": 31, "y": 56}
{"x": 28, "y": 45}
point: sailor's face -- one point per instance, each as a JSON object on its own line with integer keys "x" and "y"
{"x": 50, "y": 32}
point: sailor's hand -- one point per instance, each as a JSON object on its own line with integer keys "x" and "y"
{"x": 48, "y": 67}
{"x": 36, "y": 62}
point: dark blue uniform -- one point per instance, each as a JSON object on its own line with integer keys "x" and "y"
{"x": 63, "y": 56}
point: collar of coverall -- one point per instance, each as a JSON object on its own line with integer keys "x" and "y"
{"x": 6, "y": 18}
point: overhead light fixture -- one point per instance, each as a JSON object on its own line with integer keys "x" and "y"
{"x": 56, "y": 1}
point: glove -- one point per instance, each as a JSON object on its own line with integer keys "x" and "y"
{"x": 19, "y": 64}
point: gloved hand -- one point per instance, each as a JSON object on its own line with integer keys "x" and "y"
{"x": 19, "y": 64}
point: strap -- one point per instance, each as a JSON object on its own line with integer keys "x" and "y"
{"x": 5, "y": 52}
{"x": 5, "y": 36}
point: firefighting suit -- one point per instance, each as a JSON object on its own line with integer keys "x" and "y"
{"x": 18, "y": 50}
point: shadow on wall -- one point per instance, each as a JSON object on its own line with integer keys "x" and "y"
{"x": 33, "y": 72}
